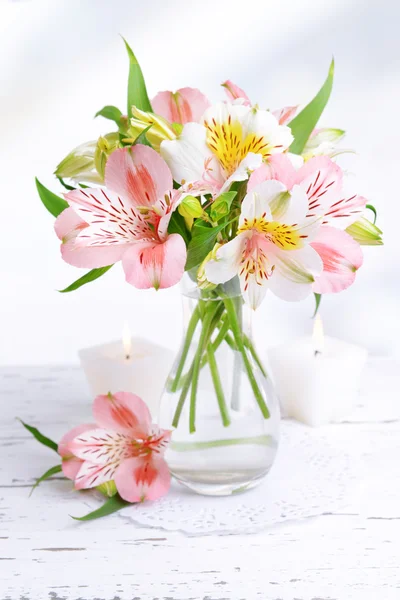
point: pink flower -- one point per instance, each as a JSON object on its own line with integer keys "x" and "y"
{"x": 127, "y": 221}
{"x": 183, "y": 106}
{"x": 321, "y": 179}
{"x": 122, "y": 446}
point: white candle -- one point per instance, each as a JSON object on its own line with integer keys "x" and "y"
{"x": 128, "y": 365}
{"x": 317, "y": 378}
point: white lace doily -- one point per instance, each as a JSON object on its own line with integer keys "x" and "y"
{"x": 310, "y": 477}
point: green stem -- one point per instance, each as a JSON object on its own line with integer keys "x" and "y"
{"x": 264, "y": 440}
{"x": 254, "y": 354}
{"x": 210, "y": 312}
{"x": 182, "y": 397}
{"x": 188, "y": 339}
{"x": 217, "y": 385}
{"x": 237, "y": 334}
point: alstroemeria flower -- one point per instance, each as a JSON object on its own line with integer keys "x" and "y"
{"x": 272, "y": 247}
{"x": 127, "y": 221}
{"x": 183, "y": 106}
{"x": 123, "y": 446}
{"x": 232, "y": 140}
{"x": 322, "y": 182}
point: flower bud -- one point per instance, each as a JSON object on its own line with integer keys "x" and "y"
{"x": 79, "y": 160}
{"x": 108, "y": 488}
{"x": 365, "y": 233}
{"x": 190, "y": 207}
{"x": 159, "y": 131}
{"x": 105, "y": 146}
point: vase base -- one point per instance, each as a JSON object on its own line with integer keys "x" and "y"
{"x": 218, "y": 483}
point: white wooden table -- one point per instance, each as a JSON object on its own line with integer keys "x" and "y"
{"x": 44, "y": 554}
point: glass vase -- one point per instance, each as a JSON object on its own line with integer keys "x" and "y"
{"x": 218, "y": 400}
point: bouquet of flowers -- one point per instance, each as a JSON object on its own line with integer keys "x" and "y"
{"x": 232, "y": 193}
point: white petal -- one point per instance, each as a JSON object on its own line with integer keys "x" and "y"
{"x": 296, "y": 209}
{"x": 263, "y": 123}
{"x": 253, "y": 291}
{"x": 221, "y": 112}
{"x": 227, "y": 261}
{"x": 250, "y": 163}
{"x": 294, "y": 273}
{"x": 186, "y": 156}
{"x": 258, "y": 201}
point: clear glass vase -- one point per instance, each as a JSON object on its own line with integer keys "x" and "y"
{"x": 218, "y": 400}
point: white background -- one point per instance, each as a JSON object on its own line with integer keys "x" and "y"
{"x": 62, "y": 60}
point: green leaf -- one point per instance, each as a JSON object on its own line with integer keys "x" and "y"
{"x": 177, "y": 225}
{"x": 222, "y": 205}
{"x": 49, "y": 473}
{"x": 317, "y": 303}
{"x": 307, "y": 119}
{"x": 67, "y": 187}
{"x": 87, "y": 278}
{"x": 142, "y": 139}
{"x": 54, "y": 204}
{"x": 110, "y": 112}
{"x": 202, "y": 242}
{"x": 137, "y": 93}
{"x": 373, "y": 209}
{"x": 110, "y": 506}
{"x": 40, "y": 437}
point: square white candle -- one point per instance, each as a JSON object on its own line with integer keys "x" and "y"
{"x": 137, "y": 365}
{"x": 317, "y": 378}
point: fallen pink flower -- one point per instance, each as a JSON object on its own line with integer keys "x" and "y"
{"x": 122, "y": 446}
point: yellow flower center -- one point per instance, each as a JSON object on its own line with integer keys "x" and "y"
{"x": 284, "y": 236}
{"x": 227, "y": 142}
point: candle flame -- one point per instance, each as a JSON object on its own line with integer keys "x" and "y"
{"x": 318, "y": 335}
{"x": 126, "y": 340}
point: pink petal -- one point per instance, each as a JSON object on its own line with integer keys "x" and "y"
{"x": 341, "y": 256}
{"x": 100, "y": 446}
{"x": 185, "y": 106}
{"x": 70, "y": 435}
{"x": 70, "y": 464}
{"x": 138, "y": 174}
{"x": 346, "y": 211}
{"x": 155, "y": 264}
{"x": 321, "y": 179}
{"x": 234, "y": 92}
{"x": 91, "y": 257}
{"x": 158, "y": 440}
{"x": 112, "y": 221}
{"x": 67, "y": 226}
{"x": 91, "y": 475}
{"x": 123, "y": 412}
{"x": 278, "y": 167}
{"x": 139, "y": 479}
{"x": 70, "y": 467}
{"x": 285, "y": 114}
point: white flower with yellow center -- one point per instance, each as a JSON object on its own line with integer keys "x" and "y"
{"x": 272, "y": 246}
{"x": 231, "y": 141}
